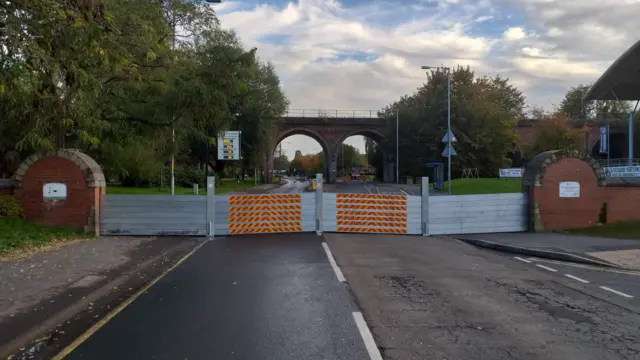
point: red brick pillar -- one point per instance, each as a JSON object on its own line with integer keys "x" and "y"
{"x": 42, "y": 180}
{"x": 553, "y": 208}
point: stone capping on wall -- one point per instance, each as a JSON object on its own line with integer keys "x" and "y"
{"x": 92, "y": 171}
{"x": 536, "y": 168}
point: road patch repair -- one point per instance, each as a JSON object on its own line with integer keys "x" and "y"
{"x": 433, "y": 298}
{"x": 50, "y": 298}
{"x": 608, "y": 252}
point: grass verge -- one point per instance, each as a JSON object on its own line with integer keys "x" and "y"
{"x": 617, "y": 230}
{"x": 19, "y": 238}
{"x": 225, "y": 186}
{"x": 483, "y": 186}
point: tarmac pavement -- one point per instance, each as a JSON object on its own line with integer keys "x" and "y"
{"x": 246, "y": 297}
{"x": 624, "y": 253}
{"x": 438, "y": 298}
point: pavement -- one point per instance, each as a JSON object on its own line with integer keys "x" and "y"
{"x": 247, "y": 297}
{"x": 438, "y": 298}
{"x": 622, "y": 253}
{"x": 56, "y": 295}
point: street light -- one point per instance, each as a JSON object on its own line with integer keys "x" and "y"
{"x": 449, "y": 138}
{"x": 172, "y": 190}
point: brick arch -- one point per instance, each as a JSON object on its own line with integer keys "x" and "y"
{"x": 302, "y": 131}
{"x": 92, "y": 172}
{"x": 546, "y": 210}
{"x": 375, "y": 135}
{"x": 82, "y": 178}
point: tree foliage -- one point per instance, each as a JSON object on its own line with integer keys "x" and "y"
{"x": 554, "y": 132}
{"x": 484, "y": 113}
{"x": 580, "y": 112}
{"x": 130, "y": 82}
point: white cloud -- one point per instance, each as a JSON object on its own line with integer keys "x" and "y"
{"x": 340, "y": 57}
{"x": 514, "y": 33}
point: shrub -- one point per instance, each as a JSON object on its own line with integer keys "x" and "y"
{"x": 10, "y": 207}
{"x": 185, "y": 176}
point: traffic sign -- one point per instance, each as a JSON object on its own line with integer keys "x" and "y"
{"x": 447, "y": 136}
{"x": 449, "y": 151}
{"x": 229, "y": 145}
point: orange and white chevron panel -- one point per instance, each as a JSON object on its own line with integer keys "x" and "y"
{"x": 369, "y": 213}
{"x": 253, "y": 214}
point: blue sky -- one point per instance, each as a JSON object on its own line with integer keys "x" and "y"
{"x": 358, "y": 54}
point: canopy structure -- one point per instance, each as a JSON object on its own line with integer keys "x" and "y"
{"x": 621, "y": 81}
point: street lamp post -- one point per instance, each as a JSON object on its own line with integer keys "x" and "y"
{"x": 397, "y": 146}
{"x": 172, "y": 190}
{"x": 449, "y": 138}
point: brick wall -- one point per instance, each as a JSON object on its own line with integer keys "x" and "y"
{"x": 551, "y": 212}
{"x": 74, "y": 211}
{"x": 84, "y": 182}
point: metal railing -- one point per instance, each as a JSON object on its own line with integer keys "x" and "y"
{"x": 619, "y": 162}
{"x": 331, "y": 113}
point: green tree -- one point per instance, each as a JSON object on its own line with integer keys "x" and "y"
{"x": 484, "y": 113}
{"x": 348, "y": 157}
{"x": 554, "y": 132}
{"x": 581, "y": 113}
{"x": 131, "y": 83}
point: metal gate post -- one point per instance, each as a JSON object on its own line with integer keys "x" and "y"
{"x": 319, "y": 192}
{"x": 424, "y": 189}
{"x": 211, "y": 206}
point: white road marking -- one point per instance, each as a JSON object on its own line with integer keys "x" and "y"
{"x": 521, "y": 259}
{"x": 546, "y": 268}
{"x": 369, "y": 343}
{"x": 369, "y": 190}
{"x": 576, "y": 278}
{"x": 332, "y": 261}
{"x": 616, "y": 292}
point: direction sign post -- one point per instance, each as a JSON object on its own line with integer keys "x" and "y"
{"x": 448, "y": 152}
{"x": 229, "y": 145}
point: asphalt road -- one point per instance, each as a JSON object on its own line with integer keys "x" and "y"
{"x": 438, "y": 298}
{"x": 356, "y": 187}
{"x": 291, "y": 186}
{"x": 255, "y": 297}
{"x": 607, "y": 282}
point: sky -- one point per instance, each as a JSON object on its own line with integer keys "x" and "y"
{"x": 365, "y": 54}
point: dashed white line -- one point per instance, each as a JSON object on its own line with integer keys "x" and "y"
{"x": 332, "y": 261}
{"x": 369, "y": 343}
{"x": 546, "y": 268}
{"x": 576, "y": 278}
{"x": 521, "y": 259}
{"x": 616, "y": 292}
